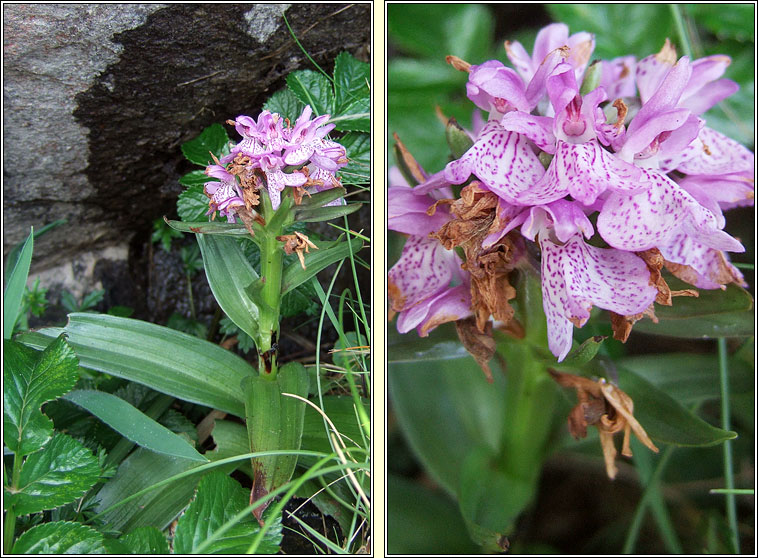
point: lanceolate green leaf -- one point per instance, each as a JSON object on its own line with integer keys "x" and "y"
{"x": 59, "y": 473}
{"x": 211, "y": 140}
{"x": 316, "y": 214}
{"x": 218, "y": 228}
{"x": 316, "y": 260}
{"x": 60, "y": 537}
{"x": 156, "y": 508}
{"x": 133, "y": 424}
{"x": 14, "y": 290}
{"x": 166, "y": 360}
{"x": 219, "y": 498}
{"x": 666, "y": 420}
{"x": 230, "y": 275}
{"x": 29, "y": 381}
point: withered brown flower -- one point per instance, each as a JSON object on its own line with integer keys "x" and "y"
{"x": 297, "y": 243}
{"x": 606, "y": 407}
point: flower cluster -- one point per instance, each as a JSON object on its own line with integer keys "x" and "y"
{"x": 272, "y": 155}
{"x": 608, "y": 169}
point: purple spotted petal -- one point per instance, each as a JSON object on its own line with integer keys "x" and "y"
{"x": 447, "y": 306}
{"x": 647, "y": 219}
{"x": 492, "y": 86}
{"x": 712, "y": 267}
{"x": 539, "y": 129}
{"x": 565, "y": 218}
{"x": 576, "y": 276}
{"x": 502, "y": 160}
{"x": 424, "y": 268}
{"x": 713, "y": 153}
{"x": 639, "y": 137}
{"x": 584, "y": 171}
{"x": 299, "y": 154}
{"x": 651, "y": 71}
{"x": 709, "y": 95}
{"x": 406, "y": 212}
{"x": 724, "y": 191}
{"x": 617, "y": 77}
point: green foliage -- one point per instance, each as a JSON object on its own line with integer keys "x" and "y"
{"x": 211, "y": 140}
{"x": 35, "y": 300}
{"x": 145, "y": 540}
{"x": 164, "y": 234}
{"x": 14, "y": 289}
{"x": 60, "y": 537}
{"x": 88, "y": 303}
{"x": 218, "y": 500}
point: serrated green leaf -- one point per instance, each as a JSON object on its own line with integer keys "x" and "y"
{"x": 165, "y": 360}
{"x": 14, "y": 290}
{"x": 230, "y": 275}
{"x": 211, "y": 140}
{"x": 351, "y": 82}
{"x": 146, "y": 540}
{"x": 192, "y": 204}
{"x": 133, "y": 424}
{"x": 157, "y": 508}
{"x": 358, "y": 150}
{"x": 195, "y": 178}
{"x": 60, "y": 537}
{"x": 59, "y": 473}
{"x": 30, "y": 381}
{"x": 665, "y": 419}
{"x": 285, "y": 103}
{"x": 219, "y": 498}
{"x": 314, "y": 89}
{"x": 316, "y": 260}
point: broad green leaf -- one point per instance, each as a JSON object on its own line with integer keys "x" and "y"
{"x": 219, "y": 498}
{"x": 146, "y": 540}
{"x": 60, "y": 537}
{"x": 357, "y": 117}
{"x": 314, "y": 89}
{"x": 664, "y": 419}
{"x": 316, "y": 260}
{"x": 423, "y": 521}
{"x": 275, "y": 422}
{"x": 285, "y": 103}
{"x": 351, "y": 82}
{"x": 460, "y": 411}
{"x": 157, "y": 508}
{"x": 133, "y": 424}
{"x": 441, "y": 344}
{"x": 192, "y": 205}
{"x": 163, "y": 359}
{"x": 689, "y": 377}
{"x": 230, "y": 275}
{"x": 59, "y": 473}
{"x": 358, "y": 147}
{"x": 715, "y": 313}
{"x": 211, "y": 140}
{"x": 14, "y": 289}
{"x": 29, "y": 381}
{"x": 195, "y": 178}
{"x": 491, "y": 498}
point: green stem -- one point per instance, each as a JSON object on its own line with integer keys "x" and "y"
{"x": 191, "y": 299}
{"x": 676, "y": 12}
{"x": 731, "y": 501}
{"x": 10, "y": 515}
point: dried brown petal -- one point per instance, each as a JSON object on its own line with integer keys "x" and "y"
{"x": 457, "y": 63}
{"x": 479, "y": 344}
{"x": 297, "y": 243}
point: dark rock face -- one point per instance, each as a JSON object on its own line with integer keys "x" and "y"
{"x": 98, "y": 99}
